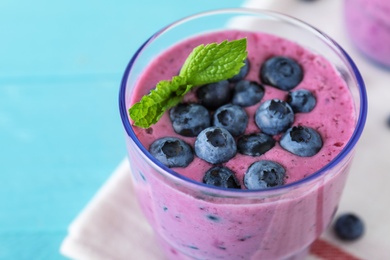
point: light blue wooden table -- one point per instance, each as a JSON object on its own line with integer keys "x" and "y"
{"x": 61, "y": 63}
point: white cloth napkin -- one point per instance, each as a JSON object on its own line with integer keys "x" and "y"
{"x": 112, "y": 226}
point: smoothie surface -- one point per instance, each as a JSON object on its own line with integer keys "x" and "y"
{"x": 333, "y": 116}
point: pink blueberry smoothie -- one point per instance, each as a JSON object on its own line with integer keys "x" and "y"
{"x": 207, "y": 224}
{"x": 368, "y": 25}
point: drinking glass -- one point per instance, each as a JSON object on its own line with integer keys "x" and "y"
{"x": 192, "y": 220}
{"x": 368, "y": 26}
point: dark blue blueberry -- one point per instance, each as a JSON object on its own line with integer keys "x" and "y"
{"x": 349, "y": 227}
{"x": 302, "y": 141}
{"x": 301, "y": 100}
{"x": 215, "y": 145}
{"x": 214, "y": 95}
{"x": 243, "y": 72}
{"x": 172, "y": 152}
{"x": 255, "y": 144}
{"x": 231, "y": 117}
{"x": 220, "y": 176}
{"x": 189, "y": 119}
{"x": 281, "y": 72}
{"x": 274, "y": 116}
{"x": 264, "y": 174}
{"x": 247, "y": 93}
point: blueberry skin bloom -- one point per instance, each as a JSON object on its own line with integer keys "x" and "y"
{"x": 215, "y": 145}
{"x": 247, "y": 93}
{"x": 172, "y": 152}
{"x": 264, "y": 174}
{"x": 214, "y": 95}
{"x": 349, "y": 227}
{"x": 274, "y": 116}
{"x": 189, "y": 119}
{"x": 231, "y": 117}
{"x": 302, "y": 141}
{"x": 281, "y": 72}
{"x": 255, "y": 144}
{"x": 301, "y": 100}
{"x": 243, "y": 72}
{"x": 220, "y": 176}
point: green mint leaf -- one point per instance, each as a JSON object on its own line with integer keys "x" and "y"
{"x": 150, "y": 109}
{"x": 205, "y": 65}
{"x": 214, "y": 62}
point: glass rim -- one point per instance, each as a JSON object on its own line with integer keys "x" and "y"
{"x": 362, "y": 115}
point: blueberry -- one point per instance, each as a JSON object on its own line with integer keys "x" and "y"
{"x": 189, "y": 119}
{"x": 220, "y": 176}
{"x": 172, "y": 152}
{"x": 215, "y": 145}
{"x": 301, "y": 100}
{"x": 302, "y": 141}
{"x": 348, "y": 227}
{"x": 231, "y": 117}
{"x": 243, "y": 72}
{"x": 255, "y": 144}
{"x": 214, "y": 95}
{"x": 247, "y": 93}
{"x": 281, "y": 72}
{"x": 274, "y": 116}
{"x": 264, "y": 174}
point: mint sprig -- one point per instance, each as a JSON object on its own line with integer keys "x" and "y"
{"x": 206, "y": 64}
